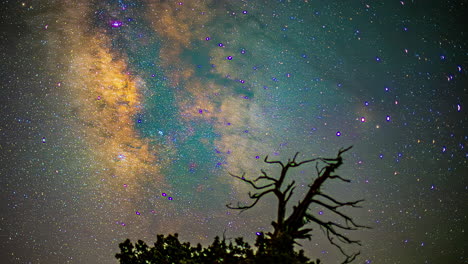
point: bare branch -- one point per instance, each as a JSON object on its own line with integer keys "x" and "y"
{"x": 274, "y": 161}
{"x": 341, "y": 151}
{"x": 289, "y": 195}
{"x": 256, "y": 198}
{"x": 338, "y": 177}
{"x": 265, "y": 177}
{"x": 349, "y": 258}
{"x": 289, "y": 187}
{"x": 242, "y": 178}
{"x": 348, "y": 219}
{"x": 329, "y": 226}
{"x": 353, "y": 204}
{"x": 295, "y": 156}
{"x": 330, "y": 161}
{"x": 306, "y": 161}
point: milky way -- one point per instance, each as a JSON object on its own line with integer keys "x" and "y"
{"x": 123, "y": 119}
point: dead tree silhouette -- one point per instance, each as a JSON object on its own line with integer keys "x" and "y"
{"x": 288, "y": 229}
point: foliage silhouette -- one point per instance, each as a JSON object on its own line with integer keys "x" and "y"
{"x": 276, "y": 247}
{"x": 168, "y": 250}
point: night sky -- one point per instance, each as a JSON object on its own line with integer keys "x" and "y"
{"x": 121, "y": 119}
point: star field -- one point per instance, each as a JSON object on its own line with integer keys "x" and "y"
{"x": 122, "y": 119}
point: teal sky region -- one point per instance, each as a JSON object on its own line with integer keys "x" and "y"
{"x": 123, "y": 119}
